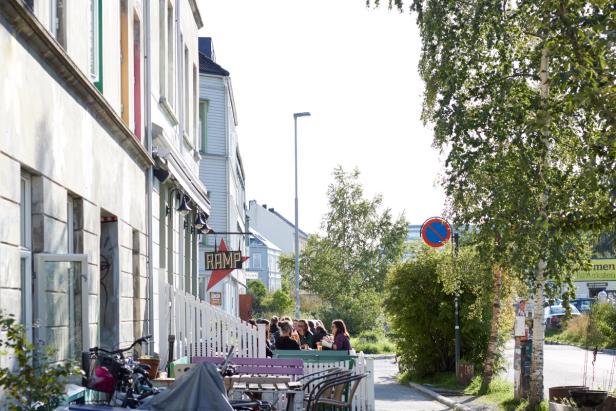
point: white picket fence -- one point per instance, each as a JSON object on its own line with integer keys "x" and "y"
{"x": 203, "y": 330}
{"x": 364, "y": 396}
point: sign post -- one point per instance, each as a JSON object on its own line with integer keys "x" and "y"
{"x": 436, "y": 232}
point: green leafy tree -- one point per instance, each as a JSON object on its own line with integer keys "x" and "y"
{"x": 258, "y": 292}
{"x": 36, "y": 382}
{"x": 279, "y": 302}
{"x": 347, "y": 265}
{"x": 521, "y": 96}
{"x": 420, "y": 303}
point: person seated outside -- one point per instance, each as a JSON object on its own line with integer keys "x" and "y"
{"x": 268, "y": 344}
{"x": 274, "y": 330}
{"x": 342, "y": 340}
{"x": 306, "y": 339}
{"x": 284, "y": 342}
{"x": 311, "y": 326}
{"x": 319, "y": 333}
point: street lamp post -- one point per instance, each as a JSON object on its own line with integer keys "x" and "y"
{"x": 295, "y": 116}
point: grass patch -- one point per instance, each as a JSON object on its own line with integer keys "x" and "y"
{"x": 371, "y": 342}
{"x": 500, "y": 391}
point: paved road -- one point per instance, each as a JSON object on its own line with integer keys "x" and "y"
{"x": 391, "y": 396}
{"x": 564, "y": 365}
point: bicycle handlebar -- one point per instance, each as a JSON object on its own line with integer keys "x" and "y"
{"x": 123, "y": 350}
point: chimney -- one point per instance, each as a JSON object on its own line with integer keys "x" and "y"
{"x": 272, "y": 209}
{"x": 265, "y": 206}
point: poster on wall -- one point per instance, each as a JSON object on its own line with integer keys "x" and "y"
{"x": 215, "y": 298}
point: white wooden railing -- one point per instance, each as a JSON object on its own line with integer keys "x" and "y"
{"x": 364, "y": 396}
{"x": 203, "y": 330}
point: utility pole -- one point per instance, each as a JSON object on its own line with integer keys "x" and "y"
{"x": 456, "y": 237}
{"x": 297, "y": 313}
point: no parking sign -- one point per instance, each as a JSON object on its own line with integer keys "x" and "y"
{"x": 436, "y": 231}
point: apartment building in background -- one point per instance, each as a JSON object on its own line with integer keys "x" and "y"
{"x": 222, "y": 171}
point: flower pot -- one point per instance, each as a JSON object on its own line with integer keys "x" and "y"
{"x": 588, "y": 398}
{"x": 153, "y": 363}
{"x": 559, "y": 393}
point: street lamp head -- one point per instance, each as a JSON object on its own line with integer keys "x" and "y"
{"x": 304, "y": 114}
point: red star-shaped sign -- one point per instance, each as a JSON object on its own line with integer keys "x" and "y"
{"x": 218, "y": 275}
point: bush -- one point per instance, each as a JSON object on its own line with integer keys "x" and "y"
{"x": 594, "y": 330}
{"x": 373, "y": 342}
{"x": 37, "y": 382}
{"x": 422, "y": 311}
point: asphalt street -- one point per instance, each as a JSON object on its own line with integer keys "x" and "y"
{"x": 564, "y": 365}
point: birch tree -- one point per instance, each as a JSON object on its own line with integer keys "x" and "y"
{"x": 521, "y": 96}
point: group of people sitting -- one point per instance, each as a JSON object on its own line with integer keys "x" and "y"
{"x": 284, "y": 334}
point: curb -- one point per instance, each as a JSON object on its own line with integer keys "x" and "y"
{"x": 440, "y": 398}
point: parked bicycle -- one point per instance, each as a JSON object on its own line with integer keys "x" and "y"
{"x": 126, "y": 382}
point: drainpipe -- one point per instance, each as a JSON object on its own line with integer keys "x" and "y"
{"x": 150, "y": 176}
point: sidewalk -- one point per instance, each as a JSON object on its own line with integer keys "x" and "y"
{"x": 391, "y": 396}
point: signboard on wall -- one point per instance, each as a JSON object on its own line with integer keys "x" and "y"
{"x": 223, "y": 260}
{"x": 600, "y": 270}
{"x": 215, "y": 298}
{"x": 222, "y": 263}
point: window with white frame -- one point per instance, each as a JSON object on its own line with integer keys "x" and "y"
{"x": 255, "y": 261}
{"x": 203, "y": 109}
{"x": 195, "y": 99}
{"x": 94, "y": 39}
{"x": 58, "y": 20}
{"x": 25, "y": 219}
{"x": 170, "y": 56}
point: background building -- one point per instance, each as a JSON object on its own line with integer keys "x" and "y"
{"x": 221, "y": 169}
{"x": 264, "y": 259}
{"x": 275, "y": 227}
{"x": 73, "y": 226}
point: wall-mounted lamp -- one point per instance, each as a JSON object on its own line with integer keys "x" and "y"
{"x": 184, "y": 208}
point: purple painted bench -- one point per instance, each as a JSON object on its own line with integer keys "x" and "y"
{"x": 293, "y": 367}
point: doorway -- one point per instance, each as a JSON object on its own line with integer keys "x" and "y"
{"x": 109, "y": 281}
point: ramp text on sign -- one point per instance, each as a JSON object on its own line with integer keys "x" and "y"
{"x": 223, "y": 260}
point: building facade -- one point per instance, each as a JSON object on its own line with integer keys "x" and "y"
{"x": 100, "y": 197}
{"x": 73, "y": 231}
{"x": 222, "y": 171}
{"x": 275, "y": 227}
{"x": 265, "y": 260}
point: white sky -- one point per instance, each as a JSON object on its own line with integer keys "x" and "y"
{"x": 355, "y": 70}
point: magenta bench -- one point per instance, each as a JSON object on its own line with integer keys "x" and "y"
{"x": 293, "y": 367}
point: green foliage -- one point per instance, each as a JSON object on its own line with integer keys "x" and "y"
{"x": 372, "y": 342}
{"x": 595, "y": 330}
{"x": 36, "y": 382}
{"x": 421, "y": 305}
{"x": 278, "y": 302}
{"x": 347, "y": 266}
{"x": 258, "y": 292}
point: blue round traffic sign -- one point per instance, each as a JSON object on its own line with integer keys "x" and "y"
{"x": 436, "y": 231}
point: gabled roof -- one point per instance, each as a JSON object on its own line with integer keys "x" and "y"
{"x": 264, "y": 241}
{"x": 208, "y": 66}
{"x": 299, "y": 231}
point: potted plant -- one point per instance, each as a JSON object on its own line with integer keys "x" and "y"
{"x": 38, "y": 381}
{"x": 153, "y": 361}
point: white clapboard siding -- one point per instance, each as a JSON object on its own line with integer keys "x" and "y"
{"x": 364, "y": 396}
{"x": 203, "y": 330}
{"x": 213, "y": 90}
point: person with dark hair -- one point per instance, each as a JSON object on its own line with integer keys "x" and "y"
{"x": 268, "y": 346}
{"x": 274, "y": 329}
{"x": 342, "y": 340}
{"x": 311, "y": 326}
{"x": 306, "y": 339}
{"x": 319, "y": 333}
{"x": 285, "y": 342}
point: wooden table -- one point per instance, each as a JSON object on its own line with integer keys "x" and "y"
{"x": 267, "y": 387}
